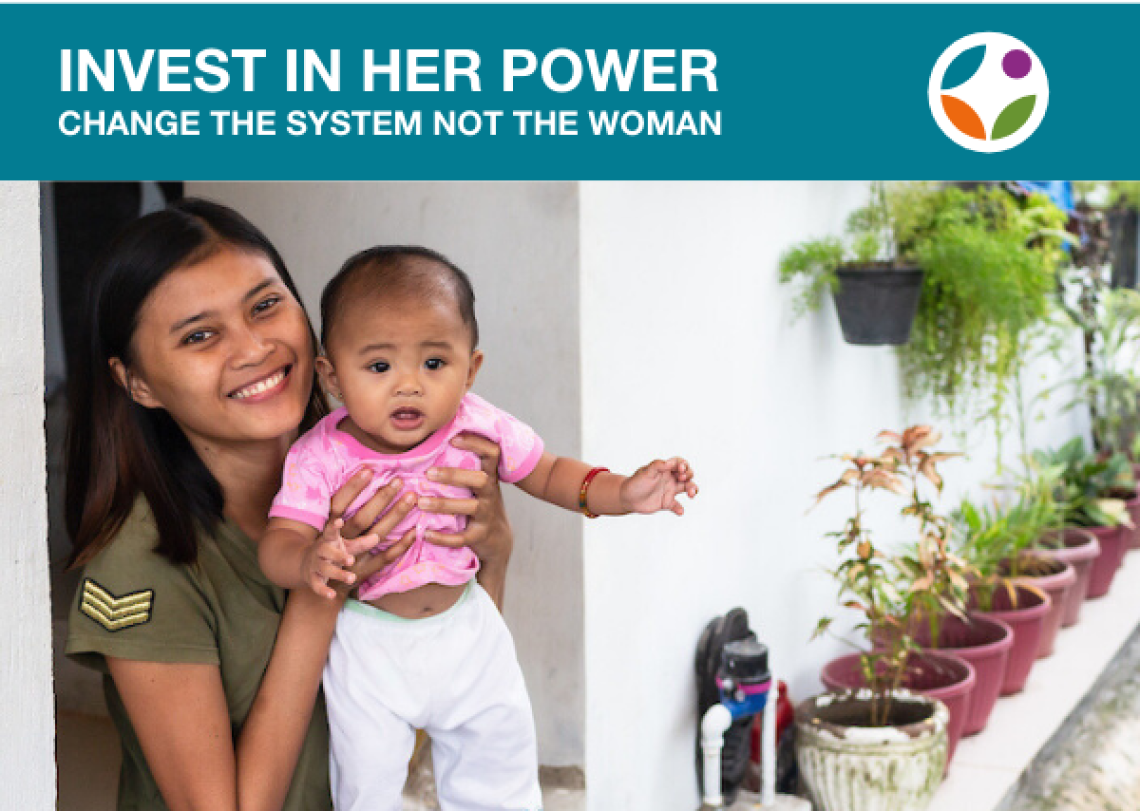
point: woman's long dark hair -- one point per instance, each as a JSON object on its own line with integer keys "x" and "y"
{"x": 117, "y": 449}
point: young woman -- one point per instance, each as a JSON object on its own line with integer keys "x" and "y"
{"x": 200, "y": 374}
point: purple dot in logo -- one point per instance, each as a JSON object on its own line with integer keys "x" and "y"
{"x": 1016, "y": 64}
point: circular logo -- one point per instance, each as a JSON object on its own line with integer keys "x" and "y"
{"x": 988, "y": 92}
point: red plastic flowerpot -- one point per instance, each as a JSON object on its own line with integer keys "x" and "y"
{"x": 1080, "y": 548}
{"x": 931, "y": 673}
{"x": 985, "y": 643}
{"x": 1113, "y": 544}
{"x": 1133, "y": 507}
{"x": 1058, "y": 584}
{"x": 1026, "y": 618}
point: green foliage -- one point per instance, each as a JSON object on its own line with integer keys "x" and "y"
{"x": 893, "y": 592}
{"x": 1124, "y": 194}
{"x": 1108, "y": 385}
{"x": 1041, "y": 488}
{"x": 991, "y": 268}
{"x": 815, "y": 263}
{"x": 996, "y": 539}
{"x": 990, "y": 263}
{"x": 868, "y": 237}
{"x": 1109, "y": 193}
{"x": 1091, "y": 490}
{"x": 1000, "y": 541}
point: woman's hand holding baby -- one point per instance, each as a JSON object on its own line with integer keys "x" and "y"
{"x": 488, "y": 531}
{"x": 334, "y": 562}
{"x": 656, "y": 486}
{"x": 294, "y": 555}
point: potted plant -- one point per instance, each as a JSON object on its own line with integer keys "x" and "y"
{"x": 876, "y": 287}
{"x": 1093, "y": 494}
{"x": 936, "y": 581}
{"x": 1070, "y": 545}
{"x": 1109, "y": 386}
{"x": 1080, "y": 549}
{"x": 1026, "y": 520}
{"x": 868, "y": 578}
{"x": 991, "y": 262}
{"x": 984, "y": 642}
{"x": 988, "y": 538}
{"x": 843, "y": 760}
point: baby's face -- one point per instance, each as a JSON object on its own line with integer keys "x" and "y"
{"x": 401, "y": 370}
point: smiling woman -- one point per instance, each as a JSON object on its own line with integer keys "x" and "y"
{"x": 227, "y": 362}
{"x": 198, "y": 373}
{"x": 183, "y": 322}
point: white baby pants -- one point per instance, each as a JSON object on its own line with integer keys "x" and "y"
{"x": 454, "y": 675}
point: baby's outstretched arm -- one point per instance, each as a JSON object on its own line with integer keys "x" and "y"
{"x": 652, "y": 488}
{"x": 294, "y": 555}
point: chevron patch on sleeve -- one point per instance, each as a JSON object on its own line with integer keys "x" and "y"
{"x": 115, "y": 613}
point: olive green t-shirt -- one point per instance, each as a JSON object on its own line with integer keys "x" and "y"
{"x": 135, "y": 604}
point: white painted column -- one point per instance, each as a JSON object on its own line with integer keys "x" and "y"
{"x": 27, "y": 745}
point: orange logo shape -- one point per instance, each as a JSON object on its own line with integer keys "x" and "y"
{"x": 963, "y": 117}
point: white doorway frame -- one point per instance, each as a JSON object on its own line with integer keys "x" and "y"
{"x": 27, "y": 723}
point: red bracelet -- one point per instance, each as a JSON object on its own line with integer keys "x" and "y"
{"x": 586, "y": 486}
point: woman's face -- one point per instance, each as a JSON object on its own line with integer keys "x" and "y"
{"x": 225, "y": 348}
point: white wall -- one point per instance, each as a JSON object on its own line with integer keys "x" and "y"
{"x": 688, "y": 348}
{"x": 519, "y": 243}
{"x": 27, "y": 754}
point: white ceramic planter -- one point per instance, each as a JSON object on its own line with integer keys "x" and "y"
{"x": 848, "y": 767}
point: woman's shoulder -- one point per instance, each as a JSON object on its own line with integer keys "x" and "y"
{"x": 133, "y": 602}
{"x": 133, "y": 545}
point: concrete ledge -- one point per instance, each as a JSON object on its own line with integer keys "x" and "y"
{"x": 989, "y": 766}
{"x": 1093, "y": 762}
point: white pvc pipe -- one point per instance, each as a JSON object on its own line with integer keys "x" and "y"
{"x": 716, "y": 722}
{"x": 768, "y": 748}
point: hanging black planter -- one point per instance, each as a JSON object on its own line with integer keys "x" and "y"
{"x": 877, "y": 302}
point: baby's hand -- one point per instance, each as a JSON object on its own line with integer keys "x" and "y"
{"x": 654, "y": 487}
{"x": 327, "y": 559}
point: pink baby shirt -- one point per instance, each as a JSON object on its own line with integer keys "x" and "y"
{"x": 321, "y": 461}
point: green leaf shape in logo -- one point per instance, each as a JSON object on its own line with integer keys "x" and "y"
{"x": 1013, "y": 117}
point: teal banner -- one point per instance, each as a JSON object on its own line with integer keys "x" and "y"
{"x": 513, "y": 92}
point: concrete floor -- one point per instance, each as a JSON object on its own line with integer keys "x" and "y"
{"x": 1094, "y": 764}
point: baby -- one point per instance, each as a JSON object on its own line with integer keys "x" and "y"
{"x": 423, "y": 646}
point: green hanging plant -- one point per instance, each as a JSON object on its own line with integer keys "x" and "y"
{"x": 868, "y": 238}
{"x": 991, "y": 264}
{"x": 990, "y": 261}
